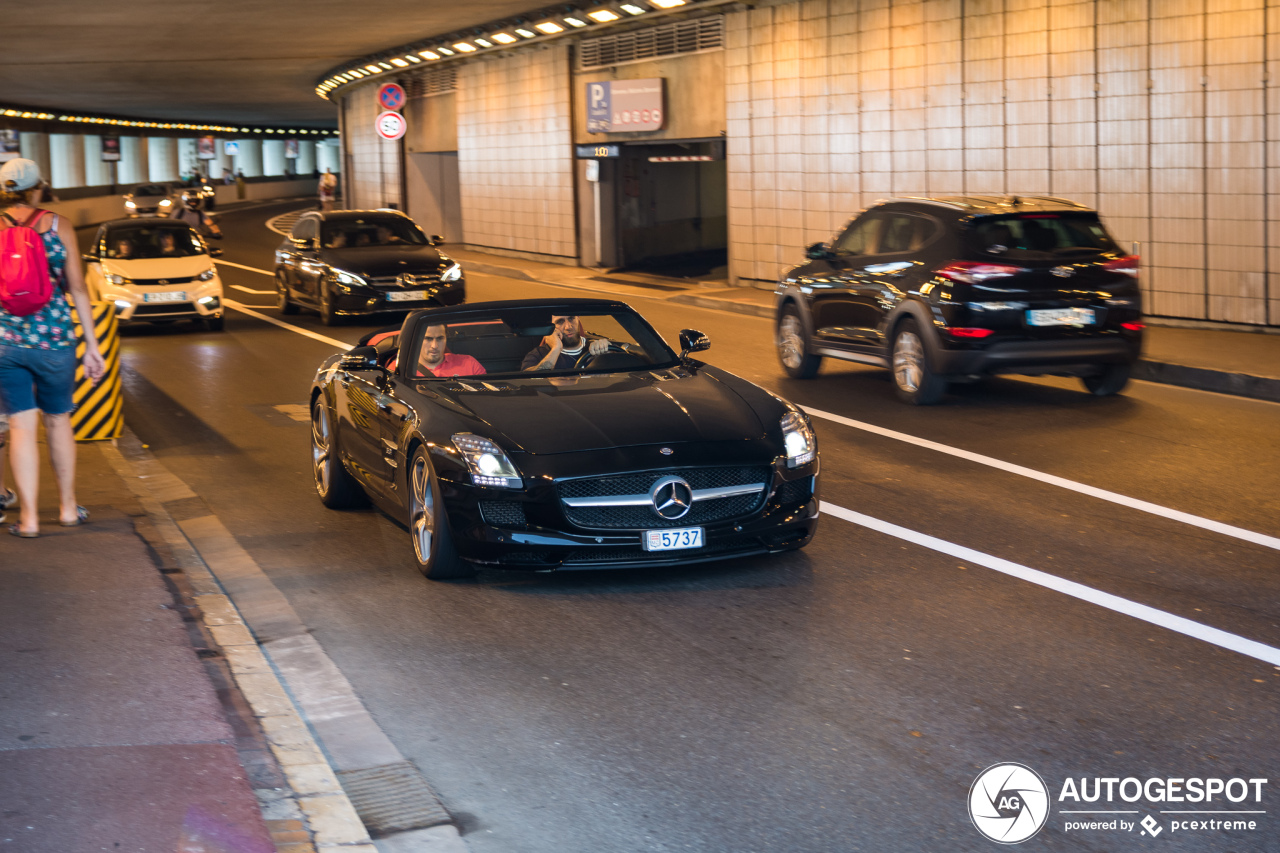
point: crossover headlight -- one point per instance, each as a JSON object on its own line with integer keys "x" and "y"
{"x": 453, "y": 273}
{"x": 164, "y": 202}
{"x": 129, "y": 204}
{"x": 207, "y": 275}
{"x": 798, "y": 440}
{"x": 117, "y": 279}
{"x": 488, "y": 464}
{"x": 345, "y": 277}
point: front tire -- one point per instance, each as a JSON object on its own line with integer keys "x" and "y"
{"x": 1110, "y": 381}
{"x": 913, "y": 379}
{"x": 334, "y": 484}
{"x": 429, "y": 526}
{"x": 793, "y": 346}
{"x": 214, "y": 324}
{"x": 283, "y": 302}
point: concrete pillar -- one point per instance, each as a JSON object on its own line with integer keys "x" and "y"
{"x": 35, "y": 146}
{"x": 97, "y": 173}
{"x": 188, "y": 162}
{"x": 162, "y": 158}
{"x": 133, "y": 161}
{"x": 249, "y": 160}
{"x": 66, "y": 160}
{"x": 273, "y": 161}
{"x": 306, "y": 163}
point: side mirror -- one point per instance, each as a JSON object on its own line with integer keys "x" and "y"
{"x": 692, "y": 340}
{"x": 818, "y": 252}
{"x": 437, "y": 240}
{"x": 361, "y": 358}
{"x": 215, "y": 251}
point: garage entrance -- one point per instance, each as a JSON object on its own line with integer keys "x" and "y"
{"x": 671, "y": 209}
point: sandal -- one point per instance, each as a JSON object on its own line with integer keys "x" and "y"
{"x": 9, "y": 499}
{"x": 15, "y": 530}
{"x": 82, "y": 517}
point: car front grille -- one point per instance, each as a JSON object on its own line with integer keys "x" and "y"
{"x": 162, "y": 282}
{"x": 165, "y": 308}
{"x": 503, "y": 513}
{"x": 644, "y": 517}
{"x": 795, "y": 491}
{"x": 407, "y": 280}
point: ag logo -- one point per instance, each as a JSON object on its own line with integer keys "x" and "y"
{"x": 1008, "y": 803}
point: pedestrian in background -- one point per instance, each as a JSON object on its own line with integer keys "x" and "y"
{"x": 38, "y": 353}
{"x": 240, "y": 184}
{"x": 328, "y": 189}
{"x": 8, "y": 498}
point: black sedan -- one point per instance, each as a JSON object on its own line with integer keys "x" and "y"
{"x": 360, "y": 262}
{"x": 612, "y": 451}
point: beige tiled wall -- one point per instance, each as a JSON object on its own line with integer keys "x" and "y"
{"x": 515, "y": 160}
{"x": 375, "y": 162}
{"x": 1159, "y": 112}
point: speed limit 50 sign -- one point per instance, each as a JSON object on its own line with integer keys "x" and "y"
{"x": 390, "y": 125}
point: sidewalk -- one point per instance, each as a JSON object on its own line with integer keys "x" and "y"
{"x": 123, "y": 719}
{"x": 1226, "y": 359}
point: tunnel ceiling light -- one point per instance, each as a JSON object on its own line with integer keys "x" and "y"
{"x": 575, "y": 22}
{"x": 445, "y": 51}
{"x": 603, "y": 16}
{"x": 384, "y": 66}
{"x": 521, "y": 31}
{"x": 484, "y": 42}
{"x": 503, "y": 38}
{"x": 428, "y": 54}
{"x": 399, "y": 63}
{"x": 632, "y": 9}
{"x": 549, "y": 27}
{"x": 413, "y": 58}
{"x": 666, "y": 4}
{"x": 465, "y": 47}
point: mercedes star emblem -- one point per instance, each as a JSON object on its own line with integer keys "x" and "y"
{"x": 666, "y": 451}
{"x": 672, "y": 498}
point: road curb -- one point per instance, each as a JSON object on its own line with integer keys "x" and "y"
{"x": 1204, "y": 379}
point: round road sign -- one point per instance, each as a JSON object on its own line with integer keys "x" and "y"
{"x": 390, "y": 125}
{"x": 391, "y": 96}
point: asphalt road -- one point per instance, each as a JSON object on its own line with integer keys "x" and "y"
{"x": 837, "y": 699}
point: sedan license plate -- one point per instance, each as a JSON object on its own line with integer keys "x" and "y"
{"x": 1061, "y": 317}
{"x": 171, "y": 296}
{"x": 672, "y": 540}
{"x": 406, "y": 296}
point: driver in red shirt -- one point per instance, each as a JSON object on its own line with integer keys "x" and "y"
{"x": 436, "y": 358}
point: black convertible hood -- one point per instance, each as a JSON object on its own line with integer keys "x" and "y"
{"x": 548, "y": 415}
{"x": 382, "y": 261}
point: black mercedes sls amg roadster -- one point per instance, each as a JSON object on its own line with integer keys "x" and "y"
{"x": 544, "y": 435}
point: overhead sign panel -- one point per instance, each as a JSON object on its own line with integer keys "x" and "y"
{"x": 625, "y": 106}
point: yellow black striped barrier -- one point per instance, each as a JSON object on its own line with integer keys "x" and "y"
{"x": 99, "y": 412}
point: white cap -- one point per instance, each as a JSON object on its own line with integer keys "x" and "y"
{"x": 18, "y": 175}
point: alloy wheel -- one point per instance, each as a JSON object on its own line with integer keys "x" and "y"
{"x": 790, "y": 341}
{"x": 422, "y": 511}
{"x": 320, "y": 446}
{"x": 908, "y": 361}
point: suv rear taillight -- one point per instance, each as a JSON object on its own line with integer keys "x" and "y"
{"x": 976, "y": 272}
{"x": 1127, "y": 265}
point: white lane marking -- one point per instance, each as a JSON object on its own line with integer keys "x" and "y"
{"x": 1222, "y": 639}
{"x": 1061, "y": 482}
{"x": 243, "y": 267}
{"x": 251, "y": 290}
{"x": 278, "y": 224}
{"x": 342, "y": 345}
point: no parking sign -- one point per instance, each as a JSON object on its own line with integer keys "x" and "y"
{"x": 390, "y": 125}
{"x": 391, "y": 96}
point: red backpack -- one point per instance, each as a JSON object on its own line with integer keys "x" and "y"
{"x": 25, "y": 286}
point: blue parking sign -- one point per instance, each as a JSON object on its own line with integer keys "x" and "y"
{"x": 599, "y": 100}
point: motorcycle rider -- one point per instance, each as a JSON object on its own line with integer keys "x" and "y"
{"x": 189, "y": 212}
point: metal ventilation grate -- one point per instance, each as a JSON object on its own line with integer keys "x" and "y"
{"x": 667, "y": 40}
{"x": 432, "y": 82}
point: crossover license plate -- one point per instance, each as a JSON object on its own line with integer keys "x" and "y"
{"x": 172, "y": 296}
{"x": 406, "y": 296}
{"x": 1061, "y": 317}
{"x": 672, "y": 540}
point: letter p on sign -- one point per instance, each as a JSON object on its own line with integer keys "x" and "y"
{"x": 597, "y": 96}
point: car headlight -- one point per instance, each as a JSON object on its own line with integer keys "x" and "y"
{"x": 122, "y": 305}
{"x": 117, "y": 279}
{"x": 488, "y": 464}
{"x": 798, "y": 440}
{"x": 207, "y": 275}
{"x": 345, "y": 277}
{"x": 165, "y": 202}
{"x": 129, "y": 204}
{"x": 453, "y": 273}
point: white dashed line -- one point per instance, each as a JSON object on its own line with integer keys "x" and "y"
{"x": 1222, "y": 639}
{"x": 251, "y": 290}
{"x": 243, "y": 267}
{"x": 315, "y": 336}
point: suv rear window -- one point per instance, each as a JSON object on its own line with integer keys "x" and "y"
{"x": 1041, "y": 236}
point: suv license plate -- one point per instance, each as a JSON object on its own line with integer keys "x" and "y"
{"x": 171, "y": 296}
{"x": 672, "y": 540}
{"x": 406, "y": 296}
{"x": 1061, "y": 317}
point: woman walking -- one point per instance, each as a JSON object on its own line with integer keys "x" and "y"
{"x": 38, "y": 353}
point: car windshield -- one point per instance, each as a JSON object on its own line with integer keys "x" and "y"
{"x": 1041, "y": 236}
{"x": 151, "y": 189}
{"x": 512, "y": 342}
{"x": 132, "y": 242}
{"x": 379, "y": 231}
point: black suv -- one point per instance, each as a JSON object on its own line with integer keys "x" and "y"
{"x": 949, "y": 289}
{"x": 353, "y": 262}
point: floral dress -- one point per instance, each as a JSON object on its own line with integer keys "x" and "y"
{"x": 52, "y": 326}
